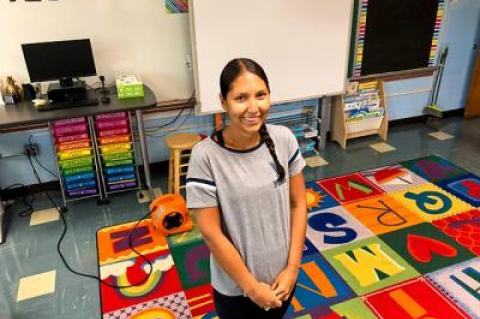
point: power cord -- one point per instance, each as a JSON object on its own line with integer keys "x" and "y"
{"x": 152, "y": 132}
{"x": 16, "y": 185}
{"x": 35, "y": 157}
{"x": 65, "y": 228}
{"x": 177, "y": 127}
{"x": 10, "y": 156}
{"x": 28, "y": 200}
{"x": 155, "y": 130}
{"x": 44, "y": 168}
{"x": 88, "y": 85}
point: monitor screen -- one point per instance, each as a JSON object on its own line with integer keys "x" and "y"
{"x": 60, "y": 59}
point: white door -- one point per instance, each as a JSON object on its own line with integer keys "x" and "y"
{"x": 462, "y": 22}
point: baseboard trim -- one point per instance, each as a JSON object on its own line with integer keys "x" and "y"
{"x": 423, "y": 118}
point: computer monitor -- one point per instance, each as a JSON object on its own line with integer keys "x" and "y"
{"x": 59, "y": 60}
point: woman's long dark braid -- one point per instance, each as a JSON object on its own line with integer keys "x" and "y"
{"x": 271, "y": 148}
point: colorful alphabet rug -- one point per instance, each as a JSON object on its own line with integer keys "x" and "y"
{"x": 396, "y": 242}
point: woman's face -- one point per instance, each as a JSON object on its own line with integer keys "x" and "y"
{"x": 247, "y": 103}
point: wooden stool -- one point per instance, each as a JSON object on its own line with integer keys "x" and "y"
{"x": 178, "y": 145}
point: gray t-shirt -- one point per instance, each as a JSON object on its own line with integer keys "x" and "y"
{"x": 255, "y": 210}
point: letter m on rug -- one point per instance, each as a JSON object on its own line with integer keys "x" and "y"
{"x": 369, "y": 264}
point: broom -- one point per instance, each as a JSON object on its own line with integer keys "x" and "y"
{"x": 433, "y": 110}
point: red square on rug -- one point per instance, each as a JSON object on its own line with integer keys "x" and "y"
{"x": 163, "y": 280}
{"x": 464, "y": 228}
{"x": 416, "y": 298}
{"x": 349, "y": 188}
{"x": 200, "y": 300}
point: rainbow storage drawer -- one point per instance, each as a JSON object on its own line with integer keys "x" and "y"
{"x": 76, "y": 158}
{"x": 116, "y": 152}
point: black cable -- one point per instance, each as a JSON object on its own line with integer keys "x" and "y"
{"x": 167, "y": 124}
{"x": 151, "y": 133}
{"x": 190, "y": 100}
{"x": 87, "y": 85}
{"x": 130, "y": 242}
{"x": 29, "y": 204}
{"x": 38, "y": 161}
{"x": 28, "y": 200}
{"x": 177, "y": 127}
{"x": 11, "y": 156}
{"x": 14, "y": 185}
{"x": 96, "y": 83}
{"x": 65, "y": 228}
{"x": 185, "y": 119}
{"x": 46, "y": 169}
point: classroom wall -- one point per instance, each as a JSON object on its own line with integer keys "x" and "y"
{"x": 405, "y": 98}
{"x": 127, "y": 37}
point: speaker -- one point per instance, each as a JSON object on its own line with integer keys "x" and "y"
{"x": 29, "y": 92}
{"x": 58, "y": 94}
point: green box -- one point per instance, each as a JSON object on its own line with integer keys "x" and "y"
{"x": 129, "y": 87}
{"x": 76, "y": 170}
{"x": 76, "y": 162}
{"x": 117, "y": 156}
{"x": 120, "y": 162}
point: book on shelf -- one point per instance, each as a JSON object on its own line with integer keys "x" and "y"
{"x": 367, "y": 85}
{"x": 364, "y": 104}
{"x": 359, "y": 115}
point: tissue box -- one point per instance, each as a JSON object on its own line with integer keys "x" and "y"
{"x": 129, "y": 86}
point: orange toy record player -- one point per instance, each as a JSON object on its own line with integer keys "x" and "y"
{"x": 170, "y": 215}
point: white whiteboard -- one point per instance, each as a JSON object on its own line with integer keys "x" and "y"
{"x": 303, "y": 45}
{"x": 127, "y": 36}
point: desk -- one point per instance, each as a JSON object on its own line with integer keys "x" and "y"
{"x": 24, "y": 114}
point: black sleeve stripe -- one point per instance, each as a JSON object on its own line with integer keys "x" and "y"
{"x": 293, "y": 157}
{"x": 201, "y": 181}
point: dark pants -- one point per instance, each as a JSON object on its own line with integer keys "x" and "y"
{"x": 239, "y": 307}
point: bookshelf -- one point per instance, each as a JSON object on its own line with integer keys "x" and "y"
{"x": 360, "y": 112}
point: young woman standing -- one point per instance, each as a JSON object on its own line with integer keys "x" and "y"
{"x": 246, "y": 188}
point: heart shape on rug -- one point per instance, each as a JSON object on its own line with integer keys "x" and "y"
{"x": 422, "y": 248}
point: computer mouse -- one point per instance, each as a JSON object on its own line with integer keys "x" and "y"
{"x": 105, "y": 99}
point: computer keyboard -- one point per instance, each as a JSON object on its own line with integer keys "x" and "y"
{"x": 68, "y": 104}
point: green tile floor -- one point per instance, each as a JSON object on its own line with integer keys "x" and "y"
{"x": 32, "y": 250}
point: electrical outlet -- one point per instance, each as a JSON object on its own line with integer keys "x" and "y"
{"x": 31, "y": 149}
{"x": 188, "y": 62}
